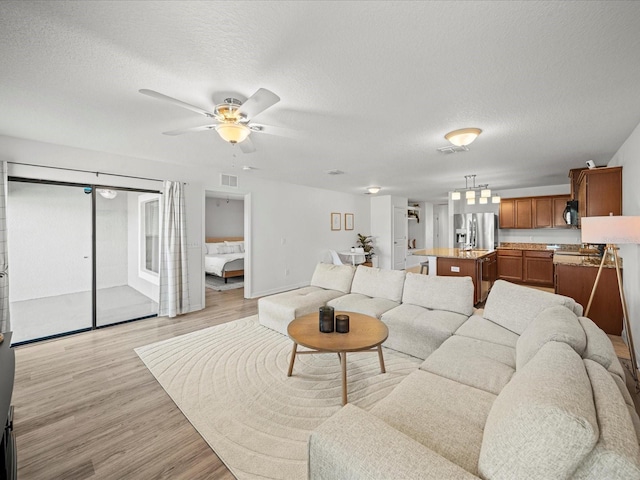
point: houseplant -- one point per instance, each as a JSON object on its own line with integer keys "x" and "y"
{"x": 366, "y": 243}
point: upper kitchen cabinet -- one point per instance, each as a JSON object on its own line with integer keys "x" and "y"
{"x": 533, "y": 212}
{"x": 574, "y": 177}
{"x": 600, "y": 192}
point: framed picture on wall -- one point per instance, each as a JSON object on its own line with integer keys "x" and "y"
{"x": 335, "y": 221}
{"x": 348, "y": 221}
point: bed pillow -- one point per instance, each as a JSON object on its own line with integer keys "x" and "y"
{"x": 215, "y": 248}
{"x": 236, "y": 247}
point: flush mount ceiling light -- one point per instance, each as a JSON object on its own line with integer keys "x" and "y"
{"x": 463, "y": 137}
{"x": 233, "y": 132}
{"x": 470, "y": 192}
{"x": 107, "y": 193}
{"x": 373, "y": 190}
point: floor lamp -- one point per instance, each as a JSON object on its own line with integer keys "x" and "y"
{"x": 613, "y": 231}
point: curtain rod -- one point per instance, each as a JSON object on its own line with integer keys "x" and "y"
{"x": 88, "y": 171}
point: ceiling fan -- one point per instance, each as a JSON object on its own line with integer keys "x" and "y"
{"x": 232, "y": 116}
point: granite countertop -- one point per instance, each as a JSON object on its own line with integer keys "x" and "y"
{"x": 584, "y": 260}
{"x": 562, "y": 247}
{"x": 453, "y": 253}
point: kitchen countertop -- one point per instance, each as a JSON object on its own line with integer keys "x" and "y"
{"x": 584, "y": 260}
{"x": 452, "y": 253}
{"x": 562, "y": 247}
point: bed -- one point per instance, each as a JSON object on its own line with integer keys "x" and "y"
{"x": 224, "y": 257}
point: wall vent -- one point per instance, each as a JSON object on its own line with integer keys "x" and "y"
{"x": 228, "y": 180}
{"x": 335, "y": 171}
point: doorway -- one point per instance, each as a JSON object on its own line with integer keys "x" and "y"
{"x": 78, "y": 257}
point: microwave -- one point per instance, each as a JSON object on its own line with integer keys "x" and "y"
{"x": 570, "y": 213}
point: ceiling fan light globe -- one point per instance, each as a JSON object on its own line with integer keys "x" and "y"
{"x": 233, "y": 132}
{"x": 463, "y": 137}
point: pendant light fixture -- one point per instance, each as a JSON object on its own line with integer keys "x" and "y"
{"x": 470, "y": 192}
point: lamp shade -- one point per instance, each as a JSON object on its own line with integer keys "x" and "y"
{"x": 612, "y": 229}
{"x": 455, "y": 195}
{"x": 233, "y": 132}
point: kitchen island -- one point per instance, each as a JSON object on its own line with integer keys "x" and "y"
{"x": 480, "y": 265}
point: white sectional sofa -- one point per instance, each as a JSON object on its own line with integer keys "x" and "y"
{"x": 525, "y": 389}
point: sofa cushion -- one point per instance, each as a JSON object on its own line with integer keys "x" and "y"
{"x": 354, "y": 444}
{"x": 452, "y": 294}
{"x": 446, "y": 416}
{"x": 599, "y": 347}
{"x": 356, "y": 302}
{"x": 483, "y": 329}
{"x": 543, "y": 423}
{"x": 558, "y": 324}
{"x": 515, "y": 306}
{"x": 333, "y": 277}
{"x": 418, "y": 331}
{"x": 277, "y": 311}
{"x": 616, "y": 455}
{"x": 476, "y": 363}
{"x": 378, "y": 283}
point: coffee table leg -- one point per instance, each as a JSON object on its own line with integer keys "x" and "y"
{"x": 293, "y": 358}
{"x": 382, "y": 369}
{"x": 343, "y": 361}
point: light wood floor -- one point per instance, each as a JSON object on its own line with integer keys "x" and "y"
{"x": 87, "y": 407}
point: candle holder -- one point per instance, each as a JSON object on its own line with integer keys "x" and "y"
{"x": 342, "y": 323}
{"x": 325, "y": 317}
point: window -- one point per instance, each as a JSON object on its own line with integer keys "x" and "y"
{"x": 149, "y": 265}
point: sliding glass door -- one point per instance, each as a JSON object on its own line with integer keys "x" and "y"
{"x": 127, "y": 255}
{"x": 50, "y": 249}
{"x": 82, "y": 257}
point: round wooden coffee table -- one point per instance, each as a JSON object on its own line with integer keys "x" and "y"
{"x": 366, "y": 334}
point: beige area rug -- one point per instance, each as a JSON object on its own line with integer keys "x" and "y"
{"x": 231, "y": 382}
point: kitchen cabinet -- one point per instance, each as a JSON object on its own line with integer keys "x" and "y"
{"x": 576, "y": 281}
{"x": 537, "y": 268}
{"x": 600, "y": 192}
{"x": 533, "y": 212}
{"x": 489, "y": 271}
{"x": 547, "y": 212}
{"x": 574, "y": 176}
{"x": 510, "y": 265}
{"x": 507, "y": 216}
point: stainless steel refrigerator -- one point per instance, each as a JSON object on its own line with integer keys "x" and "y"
{"x": 475, "y": 231}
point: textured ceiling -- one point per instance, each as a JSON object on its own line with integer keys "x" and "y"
{"x": 369, "y": 88}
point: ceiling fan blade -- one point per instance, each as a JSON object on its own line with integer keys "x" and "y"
{"x": 180, "y": 131}
{"x": 179, "y": 103}
{"x": 247, "y": 145}
{"x": 258, "y": 102}
{"x": 273, "y": 130}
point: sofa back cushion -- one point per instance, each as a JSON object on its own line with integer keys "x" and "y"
{"x": 515, "y": 306}
{"x": 557, "y": 324}
{"x": 333, "y": 277}
{"x": 375, "y": 282}
{"x": 543, "y": 423}
{"x": 616, "y": 455}
{"x": 451, "y": 294}
{"x": 599, "y": 347}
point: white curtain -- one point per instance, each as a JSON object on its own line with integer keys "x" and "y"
{"x": 174, "y": 281}
{"x": 5, "y": 324}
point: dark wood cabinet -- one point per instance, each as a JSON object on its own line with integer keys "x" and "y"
{"x": 533, "y": 212}
{"x": 510, "y": 265}
{"x": 574, "y": 176}
{"x": 537, "y": 268}
{"x": 507, "y": 217}
{"x": 523, "y": 213}
{"x": 600, "y": 192}
{"x": 577, "y": 281}
{"x": 559, "y": 203}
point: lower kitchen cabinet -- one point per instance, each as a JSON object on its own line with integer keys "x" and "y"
{"x": 510, "y": 265}
{"x": 576, "y": 281}
{"x": 537, "y": 268}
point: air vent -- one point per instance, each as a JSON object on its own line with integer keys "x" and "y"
{"x": 335, "y": 171}
{"x": 452, "y": 149}
{"x": 228, "y": 180}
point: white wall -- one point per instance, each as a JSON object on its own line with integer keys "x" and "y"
{"x": 224, "y": 218}
{"x": 382, "y": 226}
{"x": 628, "y": 156}
{"x": 285, "y": 235}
